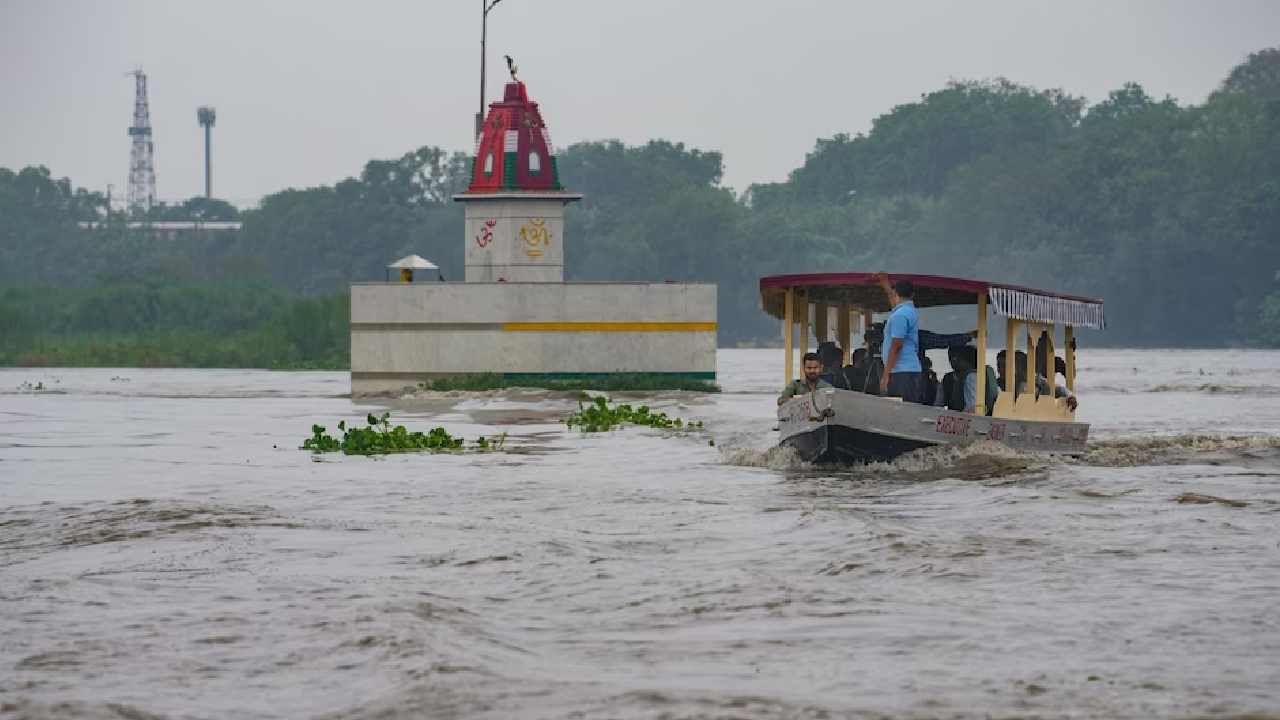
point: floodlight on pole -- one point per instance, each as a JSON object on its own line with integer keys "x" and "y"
{"x": 486, "y": 6}
{"x": 207, "y": 116}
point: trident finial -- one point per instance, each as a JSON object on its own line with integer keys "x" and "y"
{"x": 511, "y": 67}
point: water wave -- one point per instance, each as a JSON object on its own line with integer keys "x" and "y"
{"x": 778, "y": 457}
{"x": 1217, "y": 388}
{"x": 1200, "y": 388}
{"x": 1179, "y": 449}
{"x": 50, "y": 526}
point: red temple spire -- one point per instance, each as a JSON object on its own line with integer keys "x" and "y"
{"x": 514, "y": 149}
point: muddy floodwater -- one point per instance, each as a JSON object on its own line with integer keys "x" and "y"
{"x": 167, "y": 551}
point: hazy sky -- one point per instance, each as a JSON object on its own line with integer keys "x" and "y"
{"x": 307, "y": 91}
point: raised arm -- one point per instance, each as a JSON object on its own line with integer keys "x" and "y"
{"x": 883, "y": 279}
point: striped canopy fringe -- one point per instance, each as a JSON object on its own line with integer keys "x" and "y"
{"x": 1039, "y": 308}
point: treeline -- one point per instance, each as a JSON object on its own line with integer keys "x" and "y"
{"x": 1171, "y": 212}
{"x": 155, "y": 325}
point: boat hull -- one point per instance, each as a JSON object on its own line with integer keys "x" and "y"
{"x": 839, "y": 444}
{"x": 842, "y": 426}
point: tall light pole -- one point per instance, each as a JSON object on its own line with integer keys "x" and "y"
{"x": 207, "y": 116}
{"x": 486, "y": 5}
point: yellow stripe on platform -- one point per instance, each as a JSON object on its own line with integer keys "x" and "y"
{"x": 609, "y": 327}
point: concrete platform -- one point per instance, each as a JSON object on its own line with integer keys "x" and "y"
{"x": 405, "y": 333}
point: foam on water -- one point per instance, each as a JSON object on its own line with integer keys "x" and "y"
{"x": 778, "y": 457}
{"x": 974, "y": 461}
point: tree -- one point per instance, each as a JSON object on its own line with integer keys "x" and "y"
{"x": 1258, "y": 76}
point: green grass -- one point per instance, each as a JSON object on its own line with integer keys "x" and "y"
{"x": 142, "y": 325}
{"x": 613, "y": 382}
{"x": 188, "y": 349}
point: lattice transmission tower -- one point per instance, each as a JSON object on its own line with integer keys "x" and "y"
{"x": 142, "y": 171}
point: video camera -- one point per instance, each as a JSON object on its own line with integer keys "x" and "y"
{"x": 874, "y": 337}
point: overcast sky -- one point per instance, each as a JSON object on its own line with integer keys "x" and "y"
{"x": 307, "y": 91}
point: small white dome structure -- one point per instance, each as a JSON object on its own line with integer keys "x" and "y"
{"x": 409, "y": 263}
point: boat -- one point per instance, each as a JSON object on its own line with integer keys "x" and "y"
{"x": 833, "y": 425}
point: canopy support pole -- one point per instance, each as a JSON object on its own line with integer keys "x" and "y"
{"x": 1070, "y": 352}
{"x": 980, "y": 396}
{"x": 842, "y": 328}
{"x": 789, "y": 330}
{"x": 804, "y": 327}
{"x": 821, "y": 318}
{"x": 1010, "y": 357}
{"x": 1033, "y": 345}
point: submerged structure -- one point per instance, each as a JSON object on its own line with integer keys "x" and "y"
{"x": 514, "y": 315}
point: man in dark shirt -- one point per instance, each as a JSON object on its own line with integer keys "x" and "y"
{"x": 812, "y": 366}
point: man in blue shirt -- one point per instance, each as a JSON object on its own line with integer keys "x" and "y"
{"x": 901, "y": 345}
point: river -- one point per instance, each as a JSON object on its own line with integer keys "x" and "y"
{"x": 166, "y": 550}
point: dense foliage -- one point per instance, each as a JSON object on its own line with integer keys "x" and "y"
{"x": 1171, "y": 212}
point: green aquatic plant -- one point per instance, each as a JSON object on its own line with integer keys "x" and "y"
{"x": 380, "y": 438}
{"x": 598, "y": 416}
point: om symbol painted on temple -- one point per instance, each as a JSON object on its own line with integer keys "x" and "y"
{"x": 486, "y": 233}
{"x": 535, "y": 236}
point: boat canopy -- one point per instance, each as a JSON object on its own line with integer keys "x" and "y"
{"x": 862, "y": 290}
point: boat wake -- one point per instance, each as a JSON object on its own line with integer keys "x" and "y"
{"x": 984, "y": 460}
{"x": 987, "y": 460}
{"x": 978, "y": 461}
{"x": 778, "y": 457}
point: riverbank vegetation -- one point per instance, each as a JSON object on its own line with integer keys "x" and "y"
{"x": 1169, "y": 211}
{"x": 154, "y": 325}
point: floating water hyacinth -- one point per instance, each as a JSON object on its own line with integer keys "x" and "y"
{"x": 379, "y": 438}
{"x": 598, "y": 416}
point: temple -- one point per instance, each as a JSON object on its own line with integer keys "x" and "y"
{"x": 514, "y": 315}
{"x": 515, "y": 203}
{"x": 513, "y": 151}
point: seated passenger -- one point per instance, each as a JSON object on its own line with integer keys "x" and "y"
{"x": 950, "y": 393}
{"x": 1019, "y": 369}
{"x": 830, "y": 354}
{"x": 1043, "y": 382}
{"x": 863, "y": 374}
{"x": 812, "y": 367}
{"x": 966, "y": 390}
{"x": 928, "y": 382}
{"x": 941, "y": 341}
